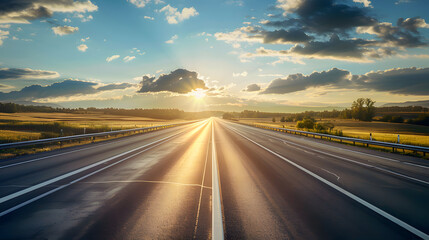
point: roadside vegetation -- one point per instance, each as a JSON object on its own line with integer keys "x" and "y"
{"x": 361, "y": 120}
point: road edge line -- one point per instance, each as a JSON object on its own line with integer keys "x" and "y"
{"x": 377, "y": 210}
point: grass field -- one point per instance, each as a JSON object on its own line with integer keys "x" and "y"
{"x": 381, "y": 131}
{"x": 15, "y": 127}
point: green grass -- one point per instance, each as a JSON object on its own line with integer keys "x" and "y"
{"x": 381, "y": 131}
{"x": 16, "y": 127}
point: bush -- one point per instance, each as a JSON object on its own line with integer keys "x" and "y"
{"x": 307, "y": 123}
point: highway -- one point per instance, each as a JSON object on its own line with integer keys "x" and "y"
{"x": 214, "y": 179}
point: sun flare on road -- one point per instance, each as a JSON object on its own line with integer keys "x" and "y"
{"x": 198, "y": 93}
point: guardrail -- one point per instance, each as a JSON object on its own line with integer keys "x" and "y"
{"x": 394, "y": 146}
{"x": 90, "y": 136}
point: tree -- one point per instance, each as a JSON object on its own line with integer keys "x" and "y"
{"x": 274, "y": 119}
{"x": 283, "y": 119}
{"x": 306, "y": 123}
{"x": 363, "y": 109}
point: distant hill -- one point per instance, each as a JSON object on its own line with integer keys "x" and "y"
{"x": 424, "y": 103}
{"x": 29, "y": 103}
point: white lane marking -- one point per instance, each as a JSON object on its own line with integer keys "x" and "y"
{"x": 417, "y": 165}
{"x": 349, "y": 150}
{"x": 72, "y": 182}
{"x": 353, "y": 161}
{"x": 150, "y": 181}
{"x": 338, "y": 177}
{"x": 388, "y": 216}
{"x": 201, "y": 190}
{"x": 61, "y": 177}
{"x": 60, "y": 154}
{"x": 217, "y": 223}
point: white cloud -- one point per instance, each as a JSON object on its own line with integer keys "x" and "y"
{"x": 150, "y": 18}
{"x": 243, "y": 74}
{"x": 366, "y": 3}
{"x": 82, "y": 47}
{"x": 173, "y": 38}
{"x": 129, "y": 58}
{"x": 66, "y": 20}
{"x": 84, "y": 39}
{"x": 137, "y": 51}
{"x": 4, "y": 25}
{"x": 111, "y": 58}
{"x": 173, "y": 16}
{"x": 84, "y": 18}
{"x": 139, "y": 3}
{"x": 3, "y": 35}
{"x": 64, "y": 30}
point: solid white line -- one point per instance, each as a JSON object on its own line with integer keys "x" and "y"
{"x": 217, "y": 223}
{"x": 72, "y": 182}
{"x": 399, "y": 222}
{"x": 61, "y": 177}
{"x": 59, "y": 154}
{"x": 349, "y": 150}
{"x": 350, "y": 160}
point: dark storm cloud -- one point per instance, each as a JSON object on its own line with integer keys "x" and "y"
{"x": 178, "y": 81}
{"x": 252, "y": 88}
{"x": 335, "y": 47}
{"x": 25, "y": 73}
{"x": 286, "y": 36}
{"x": 115, "y": 86}
{"x": 407, "y": 81}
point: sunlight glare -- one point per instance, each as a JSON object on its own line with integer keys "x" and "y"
{"x": 198, "y": 93}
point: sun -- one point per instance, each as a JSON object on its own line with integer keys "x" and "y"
{"x": 198, "y": 93}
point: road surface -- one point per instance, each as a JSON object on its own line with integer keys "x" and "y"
{"x": 214, "y": 179}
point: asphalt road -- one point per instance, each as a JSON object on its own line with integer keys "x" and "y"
{"x": 214, "y": 179}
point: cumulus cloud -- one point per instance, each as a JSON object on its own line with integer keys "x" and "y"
{"x": 366, "y": 3}
{"x": 172, "y": 39}
{"x": 129, "y": 58}
{"x": 82, "y": 47}
{"x": 252, "y": 34}
{"x": 139, "y": 3}
{"x": 252, "y": 88}
{"x": 111, "y": 58}
{"x": 26, "y": 73}
{"x": 64, "y": 30}
{"x": 173, "y": 16}
{"x": 178, "y": 81}
{"x": 150, "y": 18}
{"x": 322, "y": 16}
{"x": 23, "y": 11}
{"x": 322, "y": 29}
{"x": 407, "y": 81}
{"x": 65, "y": 88}
{"x": 115, "y": 86}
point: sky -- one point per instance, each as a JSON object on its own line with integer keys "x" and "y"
{"x": 230, "y": 55}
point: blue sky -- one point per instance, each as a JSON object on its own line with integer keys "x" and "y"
{"x": 228, "y": 44}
